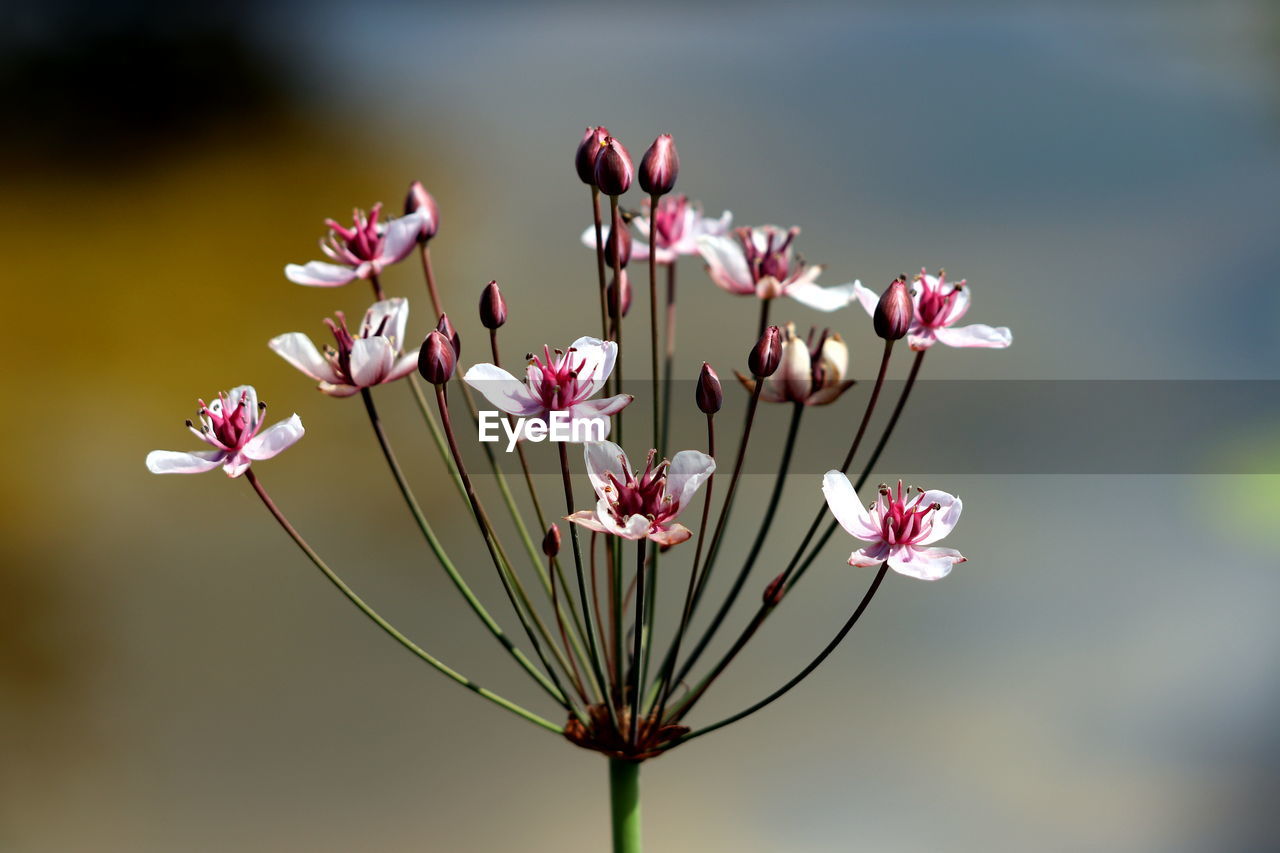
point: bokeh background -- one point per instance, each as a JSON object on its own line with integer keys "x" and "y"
{"x": 1104, "y": 674}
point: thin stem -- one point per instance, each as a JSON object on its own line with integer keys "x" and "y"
{"x": 434, "y": 543}
{"x": 486, "y": 532}
{"x": 653, "y": 320}
{"x": 604, "y": 297}
{"x": 624, "y": 805}
{"x": 595, "y": 601}
{"x": 437, "y": 436}
{"x": 424, "y": 252}
{"x": 637, "y": 648}
{"x": 378, "y": 293}
{"x": 575, "y": 675}
{"x": 384, "y": 624}
{"x": 617, "y": 317}
{"x": 804, "y": 673}
{"x": 668, "y": 367}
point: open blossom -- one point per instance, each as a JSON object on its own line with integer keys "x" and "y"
{"x": 898, "y": 527}
{"x": 644, "y": 506}
{"x": 558, "y": 382}
{"x": 372, "y": 357}
{"x": 938, "y": 304}
{"x": 759, "y": 262}
{"x": 811, "y": 372}
{"x": 361, "y": 251}
{"x": 232, "y": 425}
{"x": 679, "y": 224}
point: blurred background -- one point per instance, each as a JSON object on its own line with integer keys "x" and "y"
{"x": 1103, "y": 674}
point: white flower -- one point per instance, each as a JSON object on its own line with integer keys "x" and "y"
{"x": 354, "y": 362}
{"x": 232, "y": 424}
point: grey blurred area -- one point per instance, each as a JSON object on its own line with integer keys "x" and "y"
{"x": 1102, "y": 675}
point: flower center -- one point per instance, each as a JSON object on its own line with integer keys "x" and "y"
{"x": 361, "y": 242}
{"x": 904, "y": 520}
{"x": 936, "y": 301}
{"x": 643, "y": 495}
{"x": 774, "y": 259}
{"x": 668, "y": 220}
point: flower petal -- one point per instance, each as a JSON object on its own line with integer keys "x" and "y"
{"x": 601, "y": 407}
{"x": 394, "y": 313}
{"x": 401, "y": 237}
{"x": 926, "y": 564}
{"x": 689, "y": 469}
{"x": 271, "y": 441}
{"x": 672, "y": 534}
{"x": 597, "y": 358}
{"x": 602, "y": 459}
{"x": 587, "y": 518}
{"x": 236, "y": 464}
{"x": 503, "y": 390}
{"x": 297, "y": 349}
{"x": 848, "y": 510}
{"x": 338, "y": 389}
{"x": 180, "y": 462}
{"x": 866, "y": 297}
{"x": 726, "y": 264}
{"x": 319, "y": 274}
{"x": 371, "y": 361}
{"x": 821, "y": 298}
{"x": 975, "y": 336}
{"x": 943, "y": 520}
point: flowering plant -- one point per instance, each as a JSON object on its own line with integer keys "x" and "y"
{"x": 625, "y": 683}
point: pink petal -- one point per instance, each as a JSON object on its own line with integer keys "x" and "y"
{"x": 587, "y": 519}
{"x": 319, "y": 274}
{"x": 672, "y": 534}
{"x": 926, "y": 564}
{"x": 274, "y": 439}
{"x": 180, "y": 462}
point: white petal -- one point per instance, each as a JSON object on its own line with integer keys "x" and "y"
{"x": 821, "y": 298}
{"x": 589, "y": 237}
{"x": 689, "y": 470}
{"x": 319, "y": 274}
{"x": 926, "y": 564}
{"x": 371, "y": 361}
{"x": 406, "y": 365}
{"x": 726, "y": 264}
{"x": 178, "y": 462}
{"x": 597, "y": 358}
{"x": 866, "y": 297}
{"x": 395, "y": 312}
{"x": 502, "y": 390}
{"x": 602, "y": 459}
{"x": 944, "y": 519}
{"x": 845, "y": 506}
{"x": 338, "y": 389}
{"x": 976, "y": 336}
{"x": 297, "y": 349}
{"x": 236, "y": 464}
{"x": 636, "y": 527}
{"x": 401, "y": 236}
{"x": 274, "y": 439}
{"x": 603, "y": 406}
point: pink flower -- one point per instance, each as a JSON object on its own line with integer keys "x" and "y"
{"x": 372, "y": 358}
{"x": 759, "y": 263}
{"x": 363, "y": 250}
{"x": 232, "y": 424}
{"x": 938, "y": 305}
{"x": 559, "y": 382}
{"x": 679, "y": 223}
{"x": 811, "y": 372}
{"x": 897, "y": 526}
{"x": 643, "y": 507}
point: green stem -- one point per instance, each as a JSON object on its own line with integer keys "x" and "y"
{"x": 384, "y": 624}
{"x": 624, "y": 805}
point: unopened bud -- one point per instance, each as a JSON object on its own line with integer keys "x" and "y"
{"x": 774, "y": 591}
{"x": 588, "y": 149}
{"x": 893, "y": 312}
{"x": 423, "y": 203}
{"x": 551, "y": 542}
{"x": 613, "y": 172}
{"x": 766, "y": 355}
{"x": 709, "y": 394}
{"x": 660, "y": 166}
{"x": 612, "y": 293}
{"x": 436, "y": 359}
{"x": 618, "y": 243}
{"x": 445, "y": 328}
{"x": 493, "y": 308}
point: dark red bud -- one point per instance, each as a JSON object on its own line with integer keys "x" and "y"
{"x": 893, "y": 313}
{"x": 588, "y": 149}
{"x": 612, "y": 293}
{"x": 618, "y": 243}
{"x": 709, "y": 394}
{"x": 493, "y": 308}
{"x": 660, "y": 166}
{"x": 551, "y": 542}
{"x": 436, "y": 359}
{"x": 766, "y": 355}
{"x": 445, "y": 328}
{"x": 774, "y": 591}
{"x": 420, "y": 201}
{"x": 613, "y": 172}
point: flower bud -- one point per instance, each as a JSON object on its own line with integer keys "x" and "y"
{"x": 613, "y": 171}
{"x": 659, "y": 166}
{"x": 422, "y": 202}
{"x": 774, "y": 591}
{"x": 611, "y": 293}
{"x": 436, "y": 359}
{"x": 893, "y": 312}
{"x": 588, "y": 149}
{"x": 709, "y": 394}
{"x": 551, "y": 542}
{"x": 445, "y": 328}
{"x": 766, "y": 355}
{"x": 618, "y": 243}
{"x": 493, "y": 308}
